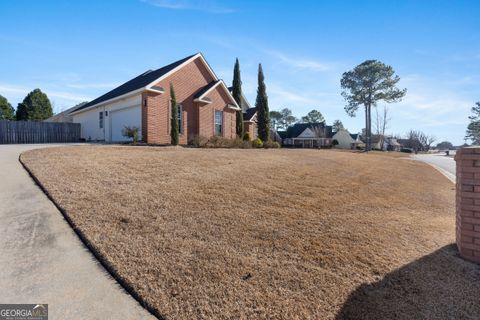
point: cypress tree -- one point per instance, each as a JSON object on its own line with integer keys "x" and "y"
{"x": 35, "y": 107}
{"x": 263, "y": 119}
{"x": 174, "y": 121}
{"x": 237, "y": 95}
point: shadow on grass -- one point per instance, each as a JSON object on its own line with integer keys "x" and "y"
{"x": 440, "y": 285}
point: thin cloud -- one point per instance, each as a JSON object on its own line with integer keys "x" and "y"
{"x": 288, "y": 97}
{"x": 195, "y": 5}
{"x": 22, "y": 91}
{"x": 300, "y": 63}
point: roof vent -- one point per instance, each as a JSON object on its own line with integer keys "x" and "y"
{"x": 147, "y": 72}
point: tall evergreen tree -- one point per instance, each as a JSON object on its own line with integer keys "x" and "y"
{"x": 237, "y": 95}
{"x": 35, "y": 107}
{"x": 174, "y": 130}
{"x": 263, "y": 119}
{"x": 6, "y": 110}
{"x": 473, "y": 129}
{"x": 367, "y": 84}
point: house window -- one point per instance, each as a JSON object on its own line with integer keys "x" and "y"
{"x": 180, "y": 118}
{"x": 218, "y": 123}
{"x": 100, "y": 119}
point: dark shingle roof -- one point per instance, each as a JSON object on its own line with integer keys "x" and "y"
{"x": 295, "y": 130}
{"x": 136, "y": 83}
{"x": 247, "y": 116}
{"x": 205, "y": 89}
{"x": 354, "y": 136}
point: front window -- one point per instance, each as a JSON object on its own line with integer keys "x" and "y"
{"x": 218, "y": 123}
{"x": 100, "y": 119}
{"x": 180, "y": 118}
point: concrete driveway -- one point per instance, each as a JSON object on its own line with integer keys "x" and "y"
{"x": 43, "y": 261}
{"x": 442, "y": 163}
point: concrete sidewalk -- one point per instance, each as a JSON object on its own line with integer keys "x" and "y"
{"x": 43, "y": 261}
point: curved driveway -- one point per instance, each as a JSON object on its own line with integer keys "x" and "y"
{"x": 43, "y": 261}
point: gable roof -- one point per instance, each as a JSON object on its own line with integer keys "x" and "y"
{"x": 201, "y": 95}
{"x": 146, "y": 81}
{"x": 247, "y": 116}
{"x": 138, "y": 82}
{"x": 354, "y": 136}
{"x": 297, "y": 129}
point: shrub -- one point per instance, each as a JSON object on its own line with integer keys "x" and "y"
{"x": 271, "y": 144}
{"x": 131, "y": 132}
{"x": 198, "y": 142}
{"x": 242, "y": 144}
{"x": 246, "y": 137}
{"x": 257, "y": 143}
{"x": 219, "y": 142}
{"x": 334, "y": 142}
{"x": 406, "y": 150}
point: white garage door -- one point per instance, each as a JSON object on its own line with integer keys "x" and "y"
{"x": 119, "y": 119}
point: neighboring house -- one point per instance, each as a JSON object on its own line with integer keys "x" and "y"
{"x": 308, "y": 135}
{"x": 206, "y": 107}
{"x": 249, "y": 116}
{"x": 358, "y": 143}
{"x": 65, "y": 116}
{"x": 378, "y": 142}
{"x": 393, "y": 144}
{"x": 344, "y": 139}
{"x": 250, "y": 122}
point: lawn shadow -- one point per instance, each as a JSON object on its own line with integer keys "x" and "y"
{"x": 440, "y": 285}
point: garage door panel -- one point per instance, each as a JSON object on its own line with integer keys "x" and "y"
{"x": 119, "y": 119}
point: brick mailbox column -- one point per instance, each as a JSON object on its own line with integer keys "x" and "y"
{"x": 468, "y": 203}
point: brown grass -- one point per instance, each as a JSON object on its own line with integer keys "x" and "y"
{"x": 285, "y": 234}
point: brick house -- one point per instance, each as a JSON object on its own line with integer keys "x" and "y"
{"x": 206, "y": 106}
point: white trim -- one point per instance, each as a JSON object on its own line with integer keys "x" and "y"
{"x": 210, "y": 89}
{"x": 234, "y": 106}
{"x": 123, "y": 96}
{"x": 156, "y": 91}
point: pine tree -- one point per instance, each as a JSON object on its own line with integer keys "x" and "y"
{"x": 473, "y": 129}
{"x": 6, "y": 110}
{"x": 261, "y": 104}
{"x": 174, "y": 121}
{"x": 237, "y": 95}
{"x": 35, "y": 107}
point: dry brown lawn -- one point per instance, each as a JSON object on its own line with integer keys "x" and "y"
{"x": 277, "y": 234}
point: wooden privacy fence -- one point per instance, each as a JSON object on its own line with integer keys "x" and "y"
{"x": 38, "y": 132}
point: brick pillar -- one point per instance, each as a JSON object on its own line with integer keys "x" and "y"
{"x": 468, "y": 203}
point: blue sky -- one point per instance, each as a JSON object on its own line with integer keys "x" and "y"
{"x": 78, "y": 50}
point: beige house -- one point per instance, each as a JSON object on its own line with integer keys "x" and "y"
{"x": 344, "y": 139}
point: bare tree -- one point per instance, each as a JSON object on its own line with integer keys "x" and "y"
{"x": 419, "y": 141}
{"x": 382, "y": 120}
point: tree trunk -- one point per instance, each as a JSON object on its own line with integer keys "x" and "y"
{"x": 368, "y": 128}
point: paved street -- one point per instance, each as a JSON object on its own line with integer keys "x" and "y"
{"x": 43, "y": 261}
{"x": 444, "y": 164}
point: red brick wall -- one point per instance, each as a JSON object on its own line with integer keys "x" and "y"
{"x": 207, "y": 115}
{"x": 250, "y": 128}
{"x": 468, "y": 203}
{"x": 187, "y": 81}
